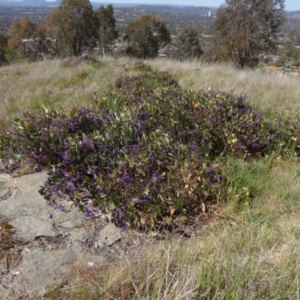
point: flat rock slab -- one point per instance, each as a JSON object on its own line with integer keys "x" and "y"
{"x": 7, "y": 187}
{"x": 30, "y": 227}
{"x": 40, "y": 269}
{"x": 110, "y": 234}
{"x": 21, "y": 195}
{"x": 29, "y": 213}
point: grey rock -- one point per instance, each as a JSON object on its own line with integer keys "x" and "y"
{"x": 76, "y": 248}
{"x": 110, "y": 234}
{"x": 4, "y": 293}
{"x": 40, "y": 269}
{"x": 7, "y": 187}
{"x": 78, "y": 234}
{"x": 24, "y": 198}
{"x": 29, "y": 212}
{"x": 30, "y": 227}
{"x": 67, "y": 220}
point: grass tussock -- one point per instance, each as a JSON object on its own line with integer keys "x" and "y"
{"x": 251, "y": 249}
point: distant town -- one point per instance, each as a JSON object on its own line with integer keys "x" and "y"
{"x": 176, "y": 17}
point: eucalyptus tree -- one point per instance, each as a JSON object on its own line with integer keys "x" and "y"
{"x": 21, "y": 35}
{"x": 73, "y": 26}
{"x": 246, "y": 28}
{"x": 3, "y": 45}
{"x": 106, "y": 27}
{"x": 145, "y": 35}
{"x": 188, "y": 45}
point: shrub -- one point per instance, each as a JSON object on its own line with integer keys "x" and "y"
{"x": 147, "y": 153}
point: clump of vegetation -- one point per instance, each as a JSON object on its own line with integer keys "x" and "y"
{"x": 149, "y": 152}
{"x": 145, "y": 35}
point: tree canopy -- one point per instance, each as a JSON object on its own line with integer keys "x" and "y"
{"x": 3, "y": 44}
{"x": 106, "y": 26}
{"x": 246, "y": 28}
{"x": 24, "y": 28}
{"x": 145, "y": 35}
{"x": 21, "y": 30}
{"x": 187, "y": 45}
{"x": 26, "y": 39}
{"x": 73, "y": 25}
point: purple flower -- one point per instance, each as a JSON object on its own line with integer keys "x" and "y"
{"x": 70, "y": 187}
{"x": 125, "y": 177}
{"x": 104, "y": 208}
{"x": 38, "y": 168}
{"x": 255, "y": 147}
{"x": 125, "y": 227}
{"x": 219, "y": 177}
{"x": 157, "y": 177}
{"x": 60, "y": 207}
{"x": 139, "y": 201}
{"x": 86, "y": 194}
{"x": 90, "y": 213}
{"x": 118, "y": 214}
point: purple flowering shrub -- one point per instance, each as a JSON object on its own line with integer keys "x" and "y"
{"x": 146, "y": 154}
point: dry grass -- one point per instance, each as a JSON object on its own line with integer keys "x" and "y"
{"x": 251, "y": 253}
{"x": 56, "y": 83}
{"x": 67, "y": 84}
{"x": 268, "y": 90}
{"x": 238, "y": 262}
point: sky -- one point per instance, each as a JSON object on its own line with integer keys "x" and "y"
{"x": 289, "y": 4}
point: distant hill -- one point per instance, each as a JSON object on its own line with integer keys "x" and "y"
{"x": 57, "y": 3}
{"x": 293, "y": 14}
{"x": 29, "y": 3}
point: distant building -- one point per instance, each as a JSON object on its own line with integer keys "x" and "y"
{"x": 209, "y": 13}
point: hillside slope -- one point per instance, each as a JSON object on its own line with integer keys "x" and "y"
{"x": 247, "y": 247}
{"x": 67, "y": 83}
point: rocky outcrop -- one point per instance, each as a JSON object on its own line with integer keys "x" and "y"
{"x": 42, "y": 242}
{"x": 29, "y": 213}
